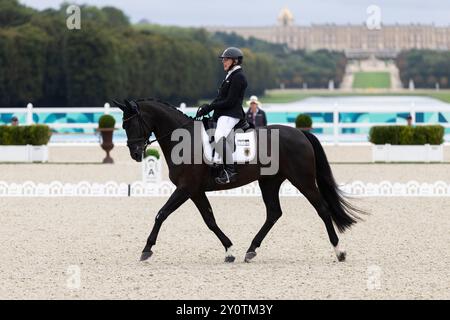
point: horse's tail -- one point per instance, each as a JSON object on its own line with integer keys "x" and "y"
{"x": 344, "y": 214}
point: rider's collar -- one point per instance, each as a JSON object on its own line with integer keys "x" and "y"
{"x": 232, "y": 70}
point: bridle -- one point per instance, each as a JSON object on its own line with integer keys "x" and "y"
{"x": 144, "y": 128}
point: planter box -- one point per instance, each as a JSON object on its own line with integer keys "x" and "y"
{"x": 407, "y": 153}
{"x": 26, "y": 153}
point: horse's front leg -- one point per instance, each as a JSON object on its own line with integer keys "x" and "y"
{"x": 178, "y": 197}
{"x": 203, "y": 205}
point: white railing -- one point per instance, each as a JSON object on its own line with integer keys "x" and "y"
{"x": 336, "y": 137}
{"x": 30, "y": 110}
{"x": 165, "y": 188}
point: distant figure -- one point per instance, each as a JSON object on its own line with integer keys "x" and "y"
{"x": 14, "y": 121}
{"x": 254, "y": 114}
{"x": 409, "y": 120}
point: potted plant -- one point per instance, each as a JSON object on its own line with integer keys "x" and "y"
{"x": 303, "y": 122}
{"x": 407, "y": 143}
{"x": 106, "y": 125}
{"x": 24, "y": 143}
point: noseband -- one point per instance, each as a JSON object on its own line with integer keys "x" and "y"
{"x": 143, "y": 126}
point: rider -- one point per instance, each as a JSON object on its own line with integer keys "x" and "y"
{"x": 228, "y": 110}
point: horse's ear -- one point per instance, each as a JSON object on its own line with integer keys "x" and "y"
{"x": 132, "y": 106}
{"x": 119, "y": 105}
{"x": 127, "y": 104}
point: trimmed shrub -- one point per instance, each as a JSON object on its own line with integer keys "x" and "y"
{"x": 35, "y": 135}
{"x": 435, "y": 134}
{"x": 420, "y": 135}
{"x": 6, "y": 136}
{"x": 303, "y": 121}
{"x": 385, "y": 134}
{"x": 152, "y": 152}
{"x": 38, "y": 134}
{"x": 407, "y": 135}
{"x": 106, "y": 121}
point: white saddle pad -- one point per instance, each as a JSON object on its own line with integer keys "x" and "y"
{"x": 245, "y": 147}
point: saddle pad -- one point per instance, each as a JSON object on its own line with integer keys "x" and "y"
{"x": 245, "y": 147}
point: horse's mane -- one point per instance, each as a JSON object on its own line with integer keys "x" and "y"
{"x": 167, "y": 104}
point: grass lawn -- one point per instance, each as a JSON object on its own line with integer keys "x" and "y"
{"x": 442, "y": 95}
{"x": 366, "y": 80}
{"x": 291, "y": 95}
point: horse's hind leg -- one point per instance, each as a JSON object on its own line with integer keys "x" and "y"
{"x": 203, "y": 205}
{"x": 270, "y": 187}
{"x": 312, "y": 193}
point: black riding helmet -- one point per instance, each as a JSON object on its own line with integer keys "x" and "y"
{"x": 233, "y": 53}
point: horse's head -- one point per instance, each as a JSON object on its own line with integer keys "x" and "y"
{"x": 137, "y": 129}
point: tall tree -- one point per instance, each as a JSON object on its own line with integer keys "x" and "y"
{"x": 14, "y": 14}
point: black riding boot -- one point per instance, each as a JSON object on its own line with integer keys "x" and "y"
{"x": 228, "y": 173}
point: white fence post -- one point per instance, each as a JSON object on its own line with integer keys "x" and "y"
{"x": 29, "y": 114}
{"x": 107, "y": 108}
{"x": 335, "y": 124}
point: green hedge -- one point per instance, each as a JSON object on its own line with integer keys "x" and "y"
{"x": 407, "y": 135}
{"x": 35, "y": 135}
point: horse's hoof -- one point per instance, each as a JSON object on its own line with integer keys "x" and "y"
{"x": 146, "y": 255}
{"x": 249, "y": 256}
{"x": 341, "y": 256}
{"x": 229, "y": 259}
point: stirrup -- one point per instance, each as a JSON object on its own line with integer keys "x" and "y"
{"x": 229, "y": 177}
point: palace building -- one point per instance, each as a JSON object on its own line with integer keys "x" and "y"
{"x": 356, "y": 40}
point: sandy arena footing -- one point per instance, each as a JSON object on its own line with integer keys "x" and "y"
{"x": 399, "y": 252}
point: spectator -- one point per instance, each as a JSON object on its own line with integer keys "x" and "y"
{"x": 409, "y": 120}
{"x": 14, "y": 121}
{"x": 254, "y": 114}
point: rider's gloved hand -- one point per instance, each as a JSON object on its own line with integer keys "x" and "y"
{"x": 203, "y": 110}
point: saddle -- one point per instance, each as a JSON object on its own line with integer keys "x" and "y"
{"x": 244, "y": 142}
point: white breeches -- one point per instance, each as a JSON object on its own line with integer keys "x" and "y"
{"x": 224, "y": 126}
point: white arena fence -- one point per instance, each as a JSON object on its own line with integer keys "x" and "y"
{"x": 337, "y": 107}
{"x": 165, "y": 188}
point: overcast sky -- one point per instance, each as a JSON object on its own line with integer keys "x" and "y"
{"x": 264, "y": 12}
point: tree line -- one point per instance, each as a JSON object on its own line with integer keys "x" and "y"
{"x": 295, "y": 68}
{"x": 425, "y": 67}
{"x": 43, "y": 62}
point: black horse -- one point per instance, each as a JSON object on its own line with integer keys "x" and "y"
{"x": 302, "y": 161}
